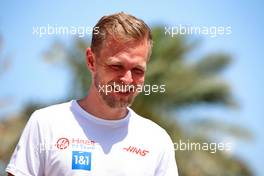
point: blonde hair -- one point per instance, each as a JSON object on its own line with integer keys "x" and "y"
{"x": 120, "y": 27}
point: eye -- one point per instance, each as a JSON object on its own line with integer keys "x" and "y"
{"x": 116, "y": 67}
{"x": 138, "y": 71}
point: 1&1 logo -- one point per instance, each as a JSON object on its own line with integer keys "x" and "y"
{"x": 81, "y": 160}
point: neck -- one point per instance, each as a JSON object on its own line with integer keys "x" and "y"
{"x": 94, "y": 104}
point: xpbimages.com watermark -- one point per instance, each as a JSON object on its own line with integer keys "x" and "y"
{"x": 121, "y": 88}
{"x": 211, "y": 147}
{"x": 79, "y": 31}
{"x": 211, "y": 31}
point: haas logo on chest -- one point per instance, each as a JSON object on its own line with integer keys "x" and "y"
{"x": 136, "y": 150}
{"x": 62, "y": 143}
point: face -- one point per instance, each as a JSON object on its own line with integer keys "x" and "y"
{"x": 119, "y": 70}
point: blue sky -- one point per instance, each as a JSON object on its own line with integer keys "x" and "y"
{"x": 31, "y": 79}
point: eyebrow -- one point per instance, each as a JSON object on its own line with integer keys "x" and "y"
{"x": 109, "y": 62}
{"x": 113, "y": 62}
{"x": 140, "y": 67}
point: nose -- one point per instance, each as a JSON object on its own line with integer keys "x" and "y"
{"x": 127, "y": 77}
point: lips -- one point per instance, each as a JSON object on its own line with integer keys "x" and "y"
{"x": 123, "y": 88}
{"x": 122, "y": 93}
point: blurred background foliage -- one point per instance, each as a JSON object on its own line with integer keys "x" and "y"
{"x": 189, "y": 82}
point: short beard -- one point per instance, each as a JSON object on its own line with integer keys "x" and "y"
{"x": 110, "y": 100}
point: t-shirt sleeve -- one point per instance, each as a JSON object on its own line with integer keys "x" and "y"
{"x": 27, "y": 158}
{"x": 167, "y": 165}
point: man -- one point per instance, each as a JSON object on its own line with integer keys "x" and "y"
{"x": 100, "y": 135}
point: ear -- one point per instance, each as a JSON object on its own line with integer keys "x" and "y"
{"x": 90, "y": 60}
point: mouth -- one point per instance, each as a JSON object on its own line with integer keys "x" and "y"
{"x": 123, "y": 91}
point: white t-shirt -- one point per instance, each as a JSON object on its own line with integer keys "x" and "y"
{"x": 66, "y": 140}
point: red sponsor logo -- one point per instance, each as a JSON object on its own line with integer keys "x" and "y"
{"x": 136, "y": 150}
{"x": 62, "y": 143}
{"x": 82, "y": 141}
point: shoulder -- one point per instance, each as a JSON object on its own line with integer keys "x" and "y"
{"x": 147, "y": 127}
{"x": 56, "y": 108}
{"x": 51, "y": 114}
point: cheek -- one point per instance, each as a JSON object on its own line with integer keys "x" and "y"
{"x": 105, "y": 76}
{"x": 100, "y": 78}
{"x": 139, "y": 79}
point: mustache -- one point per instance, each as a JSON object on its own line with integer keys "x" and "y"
{"x": 121, "y": 86}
